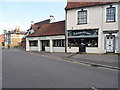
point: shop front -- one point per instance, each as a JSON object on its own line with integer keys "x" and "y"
{"x": 82, "y": 40}
{"x": 46, "y": 43}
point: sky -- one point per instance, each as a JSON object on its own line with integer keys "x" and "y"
{"x": 21, "y": 13}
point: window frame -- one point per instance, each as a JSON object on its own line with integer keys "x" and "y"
{"x": 85, "y": 18}
{"x": 35, "y": 42}
{"x": 114, "y": 16}
{"x": 59, "y": 43}
{"x": 89, "y": 42}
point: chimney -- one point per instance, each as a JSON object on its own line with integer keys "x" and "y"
{"x": 32, "y": 22}
{"x": 52, "y": 18}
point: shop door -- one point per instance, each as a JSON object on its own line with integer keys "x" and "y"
{"x": 110, "y": 43}
{"x": 82, "y": 47}
{"x": 43, "y": 45}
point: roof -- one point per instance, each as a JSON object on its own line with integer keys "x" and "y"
{"x": 73, "y": 5}
{"x": 37, "y": 25}
{"x": 56, "y": 28}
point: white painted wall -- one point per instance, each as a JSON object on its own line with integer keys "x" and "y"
{"x": 113, "y": 25}
{"x": 92, "y": 50}
{"x": 47, "y": 49}
{"x": 96, "y": 19}
{"x": 58, "y": 49}
{"x": 27, "y": 44}
{"x": 119, "y": 28}
{"x": 33, "y": 48}
{"x": 96, "y": 16}
{"x": 72, "y": 49}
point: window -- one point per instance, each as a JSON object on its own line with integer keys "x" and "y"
{"x": 110, "y": 14}
{"x": 73, "y": 42}
{"x": 76, "y": 42}
{"x": 59, "y": 43}
{"x": 92, "y": 42}
{"x": 47, "y": 43}
{"x": 33, "y": 43}
{"x": 82, "y": 17}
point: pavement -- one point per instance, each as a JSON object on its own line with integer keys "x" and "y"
{"x": 96, "y": 60}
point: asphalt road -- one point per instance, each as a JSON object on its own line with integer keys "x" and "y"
{"x": 26, "y": 70}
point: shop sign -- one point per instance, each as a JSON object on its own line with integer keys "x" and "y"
{"x": 83, "y": 32}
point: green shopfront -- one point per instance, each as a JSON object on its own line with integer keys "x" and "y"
{"x": 80, "y": 40}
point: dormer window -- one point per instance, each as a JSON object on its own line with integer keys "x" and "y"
{"x": 82, "y": 17}
{"x": 32, "y": 31}
{"x": 110, "y": 14}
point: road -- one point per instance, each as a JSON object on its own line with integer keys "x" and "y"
{"x": 26, "y": 70}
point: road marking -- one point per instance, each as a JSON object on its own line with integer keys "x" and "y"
{"x": 70, "y": 61}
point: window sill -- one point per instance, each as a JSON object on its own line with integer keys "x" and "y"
{"x": 82, "y": 23}
{"x": 110, "y": 21}
{"x": 58, "y": 46}
{"x": 92, "y": 46}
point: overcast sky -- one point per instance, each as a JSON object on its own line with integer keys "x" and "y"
{"x": 21, "y": 14}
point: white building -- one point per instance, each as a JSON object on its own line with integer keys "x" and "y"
{"x": 93, "y": 27}
{"x": 48, "y": 37}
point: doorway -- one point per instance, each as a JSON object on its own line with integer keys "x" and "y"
{"x": 82, "y": 46}
{"x": 110, "y": 43}
{"x": 43, "y": 45}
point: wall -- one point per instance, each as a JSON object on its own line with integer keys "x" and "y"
{"x": 96, "y": 19}
{"x": 119, "y": 28}
{"x": 96, "y": 16}
{"x": 33, "y": 48}
{"x": 92, "y": 50}
{"x": 16, "y": 39}
{"x": 58, "y": 49}
{"x": 48, "y": 49}
{"x": 72, "y": 49}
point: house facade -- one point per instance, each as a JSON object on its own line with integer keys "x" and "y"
{"x": 1, "y": 40}
{"x": 13, "y": 37}
{"x": 93, "y": 27}
{"x": 48, "y": 37}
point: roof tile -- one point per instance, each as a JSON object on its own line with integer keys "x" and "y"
{"x": 73, "y": 5}
{"x": 56, "y": 28}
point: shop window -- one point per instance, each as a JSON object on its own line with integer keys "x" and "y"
{"x": 33, "y": 43}
{"x": 59, "y": 43}
{"x": 91, "y": 42}
{"x": 73, "y": 42}
{"x": 110, "y": 14}
{"x": 47, "y": 43}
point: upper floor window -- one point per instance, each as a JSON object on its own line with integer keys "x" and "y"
{"x": 82, "y": 17}
{"x": 110, "y": 14}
